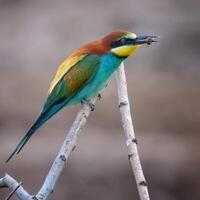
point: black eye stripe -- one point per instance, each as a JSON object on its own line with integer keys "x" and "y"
{"x": 121, "y": 42}
{"x": 126, "y": 40}
{"x": 115, "y": 44}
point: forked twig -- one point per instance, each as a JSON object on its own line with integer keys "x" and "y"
{"x": 58, "y": 164}
{"x": 70, "y": 142}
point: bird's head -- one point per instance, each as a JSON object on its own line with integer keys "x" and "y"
{"x": 123, "y": 43}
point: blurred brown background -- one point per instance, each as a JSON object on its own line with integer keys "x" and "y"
{"x": 163, "y": 80}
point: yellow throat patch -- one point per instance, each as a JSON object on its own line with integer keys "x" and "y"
{"x": 125, "y": 51}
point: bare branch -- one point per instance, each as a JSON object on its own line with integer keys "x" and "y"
{"x": 70, "y": 142}
{"x": 131, "y": 141}
{"x": 11, "y": 183}
{"x": 58, "y": 164}
{"x": 67, "y": 147}
{"x": 11, "y": 194}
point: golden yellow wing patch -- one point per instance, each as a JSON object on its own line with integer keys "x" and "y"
{"x": 64, "y": 68}
{"x": 75, "y": 78}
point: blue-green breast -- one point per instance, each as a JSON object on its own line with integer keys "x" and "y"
{"x": 107, "y": 66}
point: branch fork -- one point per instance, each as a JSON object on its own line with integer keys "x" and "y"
{"x": 70, "y": 143}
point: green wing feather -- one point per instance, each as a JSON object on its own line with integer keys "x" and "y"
{"x": 65, "y": 89}
{"x": 71, "y": 82}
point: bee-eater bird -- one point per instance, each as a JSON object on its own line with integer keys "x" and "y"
{"x": 84, "y": 74}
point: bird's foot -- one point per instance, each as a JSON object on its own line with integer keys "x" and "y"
{"x": 99, "y": 96}
{"x": 89, "y": 103}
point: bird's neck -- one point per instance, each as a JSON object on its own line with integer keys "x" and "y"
{"x": 111, "y": 62}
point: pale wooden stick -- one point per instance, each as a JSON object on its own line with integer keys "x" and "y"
{"x": 11, "y": 183}
{"x": 131, "y": 141}
{"x": 58, "y": 164}
{"x": 63, "y": 155}
{"x": 69, "y": 144}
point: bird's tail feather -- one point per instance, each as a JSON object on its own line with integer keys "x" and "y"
{"x": 40, "y": 120}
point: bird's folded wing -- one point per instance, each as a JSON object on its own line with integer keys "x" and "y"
{"x": 64, "y": 68}
{"x": 70, "y": 77}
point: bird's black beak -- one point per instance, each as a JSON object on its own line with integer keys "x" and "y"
{"x": 143, "y": 39}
